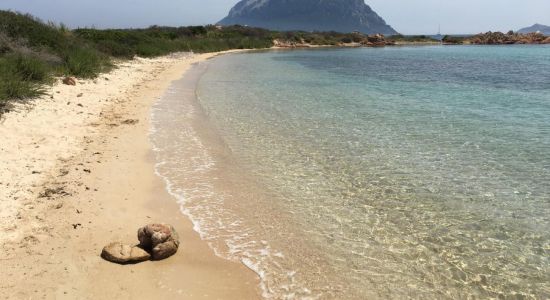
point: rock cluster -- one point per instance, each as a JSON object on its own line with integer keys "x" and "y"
{"x": 290, "y": 44}
{"x": 160, "y": 239}
{"x": 376, "y": 40}
{"x": 156, "y": 241}
{"x": 510, "y": 38}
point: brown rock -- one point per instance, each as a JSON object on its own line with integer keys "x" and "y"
{"x": 376, "y": 40}
{"x": 69, "y": 81}
{"x": 122, "y": 254}
{"x": 499, "y": 38}
{"x": 161, "y": 240}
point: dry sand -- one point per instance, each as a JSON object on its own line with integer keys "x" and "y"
{"x": 77, "y": 172}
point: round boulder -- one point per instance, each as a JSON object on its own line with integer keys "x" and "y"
{"x": 161, "y": 240}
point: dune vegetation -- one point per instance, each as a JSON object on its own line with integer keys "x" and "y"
{"x": 33, "y": 52}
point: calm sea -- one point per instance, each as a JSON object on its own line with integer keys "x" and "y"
{"x": 391, "y": 173}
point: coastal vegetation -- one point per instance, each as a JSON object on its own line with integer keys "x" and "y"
{"x": 33, "y": 52}
{"x": 406, "y": 39}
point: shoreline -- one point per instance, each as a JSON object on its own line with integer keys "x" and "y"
{"x": 92, "y": 183}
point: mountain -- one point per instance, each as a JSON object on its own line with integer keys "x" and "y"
{"x": 308, "y": 15}
{"x": 537, "y": 27}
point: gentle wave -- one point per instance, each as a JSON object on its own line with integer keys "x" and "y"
{"x": 187, "y": 168}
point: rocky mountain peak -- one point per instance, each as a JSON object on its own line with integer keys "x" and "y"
{"x": 308, "y": 15}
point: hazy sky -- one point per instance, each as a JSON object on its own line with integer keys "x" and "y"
{"x": 406, "y": 16}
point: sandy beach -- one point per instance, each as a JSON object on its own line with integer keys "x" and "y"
{"x": 76, "y": 173}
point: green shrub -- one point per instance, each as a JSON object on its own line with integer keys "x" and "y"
{"x": 21, "y": 77}
{"x": 84, "y": 62}
{"x": 14, "y": 88}
{"x": 30, "y": 68}
{"x": 116, "y": 49}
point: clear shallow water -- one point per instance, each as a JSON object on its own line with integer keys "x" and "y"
{"x": 414, "y": 172}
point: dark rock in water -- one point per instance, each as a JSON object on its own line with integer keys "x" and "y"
{"x": 161, "y": 240}
{"x": 308, "y": 15}
{"x": 122, "y": 254}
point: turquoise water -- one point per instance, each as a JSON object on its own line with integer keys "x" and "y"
{"x": 406, "y": 172}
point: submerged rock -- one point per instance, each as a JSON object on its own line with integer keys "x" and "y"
{"x": 161, "y": 240}
{"x": 122, "y": 253}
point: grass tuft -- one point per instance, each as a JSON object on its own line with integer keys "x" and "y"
{"x": 22, "y": 77}
{"x": 84, "y": 63}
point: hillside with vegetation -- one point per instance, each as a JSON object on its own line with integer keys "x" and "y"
{"x": 33, "y": 52}
{"x": 308, "y": 15}
{"x": 536, "y": 28}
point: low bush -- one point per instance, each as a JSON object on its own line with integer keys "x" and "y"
{"x": 84, "y": 62}
{"x": 21, "y": 77}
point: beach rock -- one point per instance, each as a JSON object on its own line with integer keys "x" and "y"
{"x": 376, "y": 40}
{"x": 161, "y": 240}
{"x": 69, "y": 81}
{"x": 122, "y": 254}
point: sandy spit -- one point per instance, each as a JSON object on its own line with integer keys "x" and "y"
{"x": 77, "y": 172}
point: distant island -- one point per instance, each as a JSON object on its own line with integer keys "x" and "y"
{"x": 536, "y": 28}
{"x": 308, "y": 15}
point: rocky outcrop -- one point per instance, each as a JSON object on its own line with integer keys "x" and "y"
{"x": 375, "y": 40}
{"x": 308, "y": 15}
{"x": 161, "y": 240}
{"x": 123, "y": 254}
{"x": 510, "y": 38}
